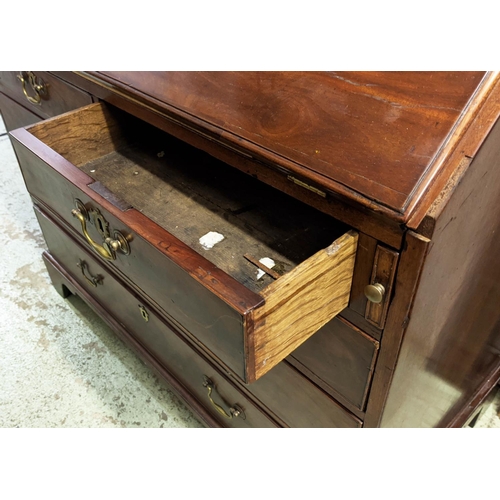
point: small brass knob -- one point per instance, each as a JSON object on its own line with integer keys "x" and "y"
{"x": 375, "y": 293}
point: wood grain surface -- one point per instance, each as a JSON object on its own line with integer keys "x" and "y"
{"x": 190, "y": 194}
{"x": 322, "y": 282}
{"x": 453, "y": 334}
{"x": 301, "y": 302}
{"x": 407, "y": 278}
{"x": 381, "y": 226}
{"x": 455, "y": 164}
{"x": 284, "y": 393}
{"x": 85, "y": 134}
{"x": 187, "y": 286}
{"x": 375, "y": 133}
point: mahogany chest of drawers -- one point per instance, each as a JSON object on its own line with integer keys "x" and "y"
{"x": 283, "y": 249}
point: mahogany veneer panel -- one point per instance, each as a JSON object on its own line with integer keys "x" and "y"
{"x": 375, "y": 133}
{"x": 384, "y": 153}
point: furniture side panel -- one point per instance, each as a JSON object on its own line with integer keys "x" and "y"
{"x": 453, "y": 335}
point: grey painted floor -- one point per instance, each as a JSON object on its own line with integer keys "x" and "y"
{"x": 60, "y": 365}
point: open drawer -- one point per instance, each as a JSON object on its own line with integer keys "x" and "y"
{"x": 190, "y": 231}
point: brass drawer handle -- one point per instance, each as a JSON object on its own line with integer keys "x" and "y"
{"x": 93, "y": 280}
{"x": 36, "y": 83}
{"x": 233, "y": 411}
{"x": 101, "y": 250}
{"x": 109, "y": 246}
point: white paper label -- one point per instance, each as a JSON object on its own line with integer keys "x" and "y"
{"x": 268, "y": 263}
{"x": 210, "y": 239}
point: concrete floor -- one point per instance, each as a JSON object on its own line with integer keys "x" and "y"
{"x": 60, "y": 365}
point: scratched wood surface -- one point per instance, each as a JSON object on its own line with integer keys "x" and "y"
{"x": 320, "y": 286}
{"x": 375, "y": 133}
{"x": 190, "y": 194}
{"x": 87, "y": 133}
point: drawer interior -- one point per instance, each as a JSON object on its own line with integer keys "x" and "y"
{"x": 190, "y": 194}
{"x": 147, "y": 173}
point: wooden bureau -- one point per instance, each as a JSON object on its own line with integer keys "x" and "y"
{"x": 375, "y": 195}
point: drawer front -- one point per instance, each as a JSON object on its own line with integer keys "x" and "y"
{"x": 375, "y": 266}
{"x": 197, "y": 375}
{"x": 341, "y": 359}
{"x": 298, "y": 402}
{"x": 194, "y": 307}
{"x": 46, "y": 95}
{"x": 14, "y": 115}
{"x": 249, "y": 332}
{"x": 284, "y": 391}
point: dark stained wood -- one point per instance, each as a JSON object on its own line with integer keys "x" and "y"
{"x": 359, "y": 217}
{"x": 455, "y": 162}
{"x": 61, "y": 96}
{"x": 184, "y": 278}
{"x": 453, "y": 335}
{"x": 360, "y": 321}
{"x": 311, "y": 123}
{"x": 342, "y": 357}
{"x": 363, "y": 269}
{"x": 428, "y": 223}
{"x": 214, "y": 305}
{"x": 62, "y": 280}
{"x": 14, "y": 115}
{"x": 341, "y": 400}
{"x": 157, "y": 338}
{"x": 381, "y": 176}
{"x": 409, "y": 270}
{"x": 384, "y": 270}
{"x": 299, "y": 404}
